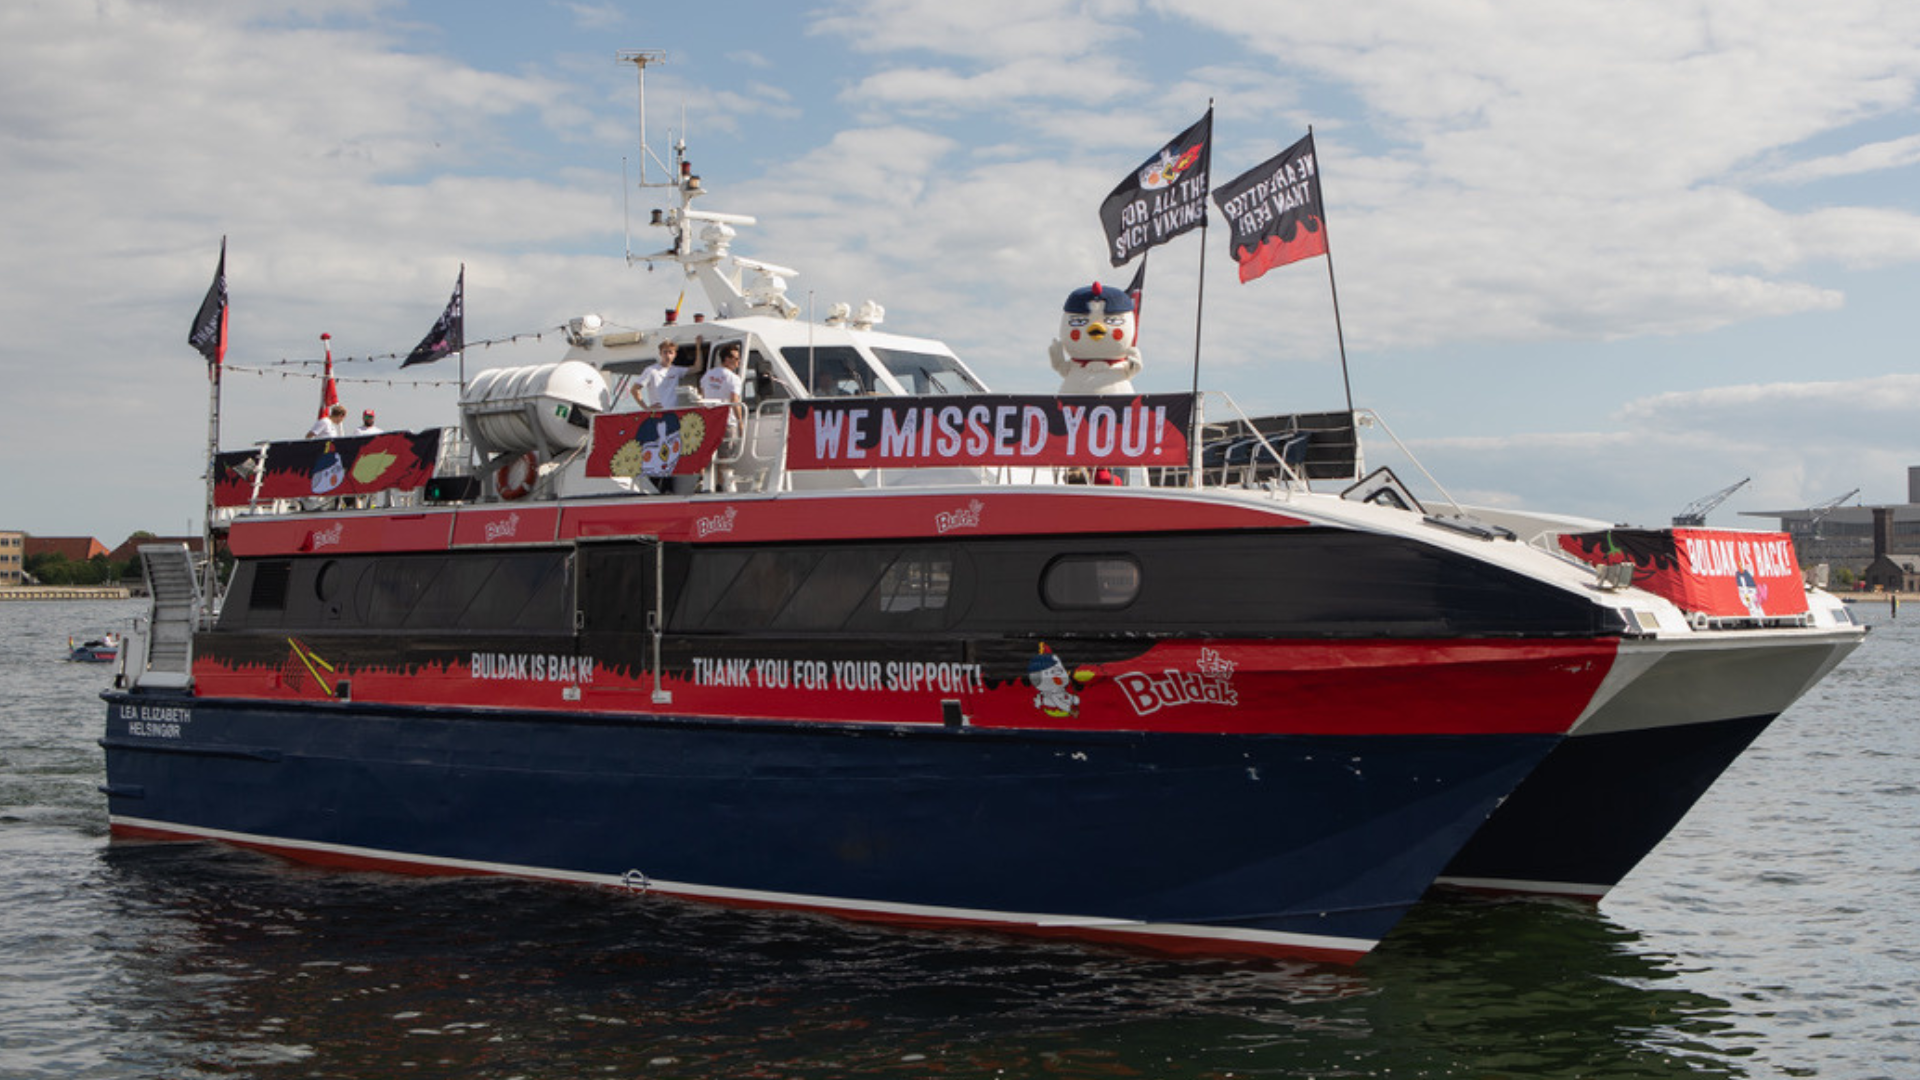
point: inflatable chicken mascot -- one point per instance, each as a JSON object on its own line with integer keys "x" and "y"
{"x": 1096, "y": 351}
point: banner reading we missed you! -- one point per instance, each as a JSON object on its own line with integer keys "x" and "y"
{"x": 996, "y": 429}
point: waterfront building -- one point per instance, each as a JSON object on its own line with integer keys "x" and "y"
{"x": 1882, "y": 539}
{"x": 12, "y": 555}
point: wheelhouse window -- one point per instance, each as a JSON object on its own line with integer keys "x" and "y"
{"x": 1090, "y": 582}
{"x": 927, "y": 373}
{"x": 761, "y": 382}
{"x": 831, "y": 370}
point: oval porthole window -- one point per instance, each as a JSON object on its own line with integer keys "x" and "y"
{"x": 1090, "y": 581}
{"x": 326, "y": 583}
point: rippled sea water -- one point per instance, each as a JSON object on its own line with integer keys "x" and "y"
{"x": 1774, "y": 934}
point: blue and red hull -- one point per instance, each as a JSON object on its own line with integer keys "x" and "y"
{"x": 1156, "y": 719}
{"x": 1183, "y": 842}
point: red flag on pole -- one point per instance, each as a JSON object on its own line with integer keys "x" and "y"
{"x": 329, "y": 393}
{"x": 1275, "y": 211}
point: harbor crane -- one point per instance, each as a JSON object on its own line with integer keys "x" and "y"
{"x": 1819, "y": 511}
{"x": 1695, "y": 514}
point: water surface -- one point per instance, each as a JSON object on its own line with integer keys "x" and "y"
{"x": 1774, "y": 934}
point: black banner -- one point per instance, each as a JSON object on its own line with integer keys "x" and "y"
{"x": 1274, "y": 209}
{"x": 449, "y": 334}
{"x": 1165, "y": 197}
{"x": 989, "y": 429}
{"x": 209, "y": 333}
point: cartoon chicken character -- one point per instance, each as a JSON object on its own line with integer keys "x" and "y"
{"x": 329, "y": 471}
{"x": 1058, "y": 692}
{"x": 1096, "y": 352}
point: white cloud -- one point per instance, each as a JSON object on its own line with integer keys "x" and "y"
{"x": 996, "y": 31}
{"x": 1872, "y": 157}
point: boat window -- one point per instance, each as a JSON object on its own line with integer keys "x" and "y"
{"x": 760, "y": 591}
{"x": 760, "y": 383}
{"x": 326, "y": 583}
{"x": 1090, "y": 581}
{"x": 269, "y": 592}
{"x": 854, "y": 588}
{"x": 917, "y": 581}
{"x": 470, "y": 591}
{"x": 927, "y": 373}
{"x": 830, "y": 370}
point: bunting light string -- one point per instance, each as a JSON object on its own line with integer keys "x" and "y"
{"x": 368, "y": 380}
{"x": 534, "y": 335}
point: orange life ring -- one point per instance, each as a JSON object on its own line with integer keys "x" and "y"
{"x": 514, "y": 479}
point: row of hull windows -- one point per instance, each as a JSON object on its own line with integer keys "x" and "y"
{"x": 1299, "y": 582}
{"x": 864, "y": 588}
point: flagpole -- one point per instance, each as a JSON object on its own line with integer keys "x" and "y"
{"x": 1339, "y": 333}
{"x": 460, "y": 283}
{"x": 1199, "y": 309}
{"x": 213, "y": 346}
{"x": 213, "y": 458}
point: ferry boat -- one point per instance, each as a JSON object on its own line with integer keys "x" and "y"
{"x": 870, "y": 643}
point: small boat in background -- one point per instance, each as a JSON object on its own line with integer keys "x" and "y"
{"x": 101, "y": 650}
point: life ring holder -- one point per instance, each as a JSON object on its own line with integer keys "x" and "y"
{"x": 514, "y": 479}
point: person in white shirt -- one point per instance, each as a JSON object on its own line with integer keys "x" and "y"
{"x": 721, "y": 385}
{"x": 367, "y": 426}
{"x": 649, "y": 386}
{"x": 330, "y": 425}
{"x": 722, "y": 382}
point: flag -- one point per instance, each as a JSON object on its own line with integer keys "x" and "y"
{"x": 449, "y": 334}
{"x": 1135, "y": 289}
{"x": 1165, "y": 197}
{"x": 329, "y": 392}
{"x": 209, "y": 333}
{"x": 1275, "y": 211}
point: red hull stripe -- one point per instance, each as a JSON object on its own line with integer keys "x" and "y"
{"x": 1157, "y": 937}
{"x": 1216, "y": 687}
{"x": 782, "y": 518}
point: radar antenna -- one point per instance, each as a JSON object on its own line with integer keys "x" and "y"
{"x": 641, "y": 59}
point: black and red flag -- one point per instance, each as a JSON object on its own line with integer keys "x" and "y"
{"x": 1274, "y": 209}
{"x": 1163, "y": 198}
{"x": 209, "y": 333}
{"x": 449, "y": 334}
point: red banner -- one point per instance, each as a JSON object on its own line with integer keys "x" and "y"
{"x": 989, "y": 429}
{"x": 1710, "y": 571}
{"x": 309, "y": 468}
{"x": 671, "y": 442}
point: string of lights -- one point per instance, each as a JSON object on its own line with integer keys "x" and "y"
{"x": 363, "y": 379}
{"x": 536, "y": 335}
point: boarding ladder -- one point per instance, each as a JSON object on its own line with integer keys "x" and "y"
{"x": 168, "y": 659}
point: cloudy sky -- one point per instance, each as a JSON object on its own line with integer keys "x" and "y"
{"x": 1600, "y": 258}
